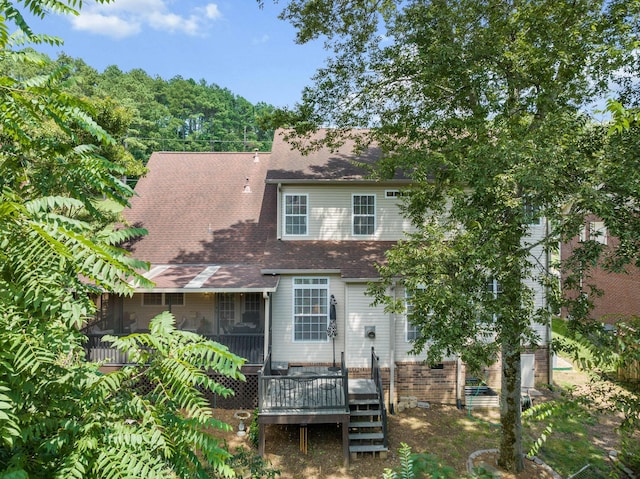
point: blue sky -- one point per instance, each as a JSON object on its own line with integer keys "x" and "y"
{"x": 231, "y": 43}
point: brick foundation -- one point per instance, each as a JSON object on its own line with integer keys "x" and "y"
{"x": 427, "y": 384}
{"x": 439, "y": 385}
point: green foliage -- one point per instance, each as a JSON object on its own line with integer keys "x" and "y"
{"x": 59, "y": 416}
{"x": 148, "y": 114}
{"x": 254, "y": 429}
{"x": 485, "y": 106}
{"x": 248, "y": 465}
{"x": 417, "y": 466}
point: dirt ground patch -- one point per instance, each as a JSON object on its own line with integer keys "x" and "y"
{"x": 446, "y": 432}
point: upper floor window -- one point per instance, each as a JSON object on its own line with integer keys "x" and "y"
{"x": 531, "y": 211}
{"x": 310, "y": 309}
{"x": 295, "y": 214}
{"x": 594, "y": 231}
{"x": 598, "y": 231}
{"x": 364, "y": 214}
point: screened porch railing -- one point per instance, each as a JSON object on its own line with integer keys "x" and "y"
{"x": 248, "y": 346}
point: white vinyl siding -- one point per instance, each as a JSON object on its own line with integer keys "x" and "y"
{"x": 360, "y": 314}
{"x": 284, "y": 348}
{"x": 310, "y": 309}
{"x": 329, "y": 211}
{"x": 296, "y": 214}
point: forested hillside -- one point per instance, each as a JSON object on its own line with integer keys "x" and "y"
{"x": 147, "y": 114}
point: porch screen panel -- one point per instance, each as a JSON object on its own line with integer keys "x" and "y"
{"x": 310, "y": 309}
{"x": 226, "y": 307}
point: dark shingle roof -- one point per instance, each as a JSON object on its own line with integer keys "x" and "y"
{"x": 220, "y": 209}
{"x": 202, "y": 208}
{"x": 321, "y": 164}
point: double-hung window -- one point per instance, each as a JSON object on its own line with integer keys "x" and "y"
{"x": 598, "y": 231}
{"x": 531, "y": 211}
{"x": 412, "y": 332}
{"x": 364, "y": 214}
{"x": 296, "y": 214}
{"x": 495, "y": 289}
{"x": 310, "y": 309}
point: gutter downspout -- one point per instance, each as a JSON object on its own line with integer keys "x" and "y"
{"x": 392, "y": 355}
{"x": 279, "y": 212}
{"x": 267, "y": 323}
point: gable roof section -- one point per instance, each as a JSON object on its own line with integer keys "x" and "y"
{"x": 212, "y": 219}
{"x": 289, "y": 165}
{"x": 202, "y": 208}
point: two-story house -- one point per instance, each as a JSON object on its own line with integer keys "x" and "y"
{"x": 257, "y": 250}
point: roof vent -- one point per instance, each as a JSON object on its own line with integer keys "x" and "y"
{"x": 247, "y": 188}
{"x": 256, "y": 158}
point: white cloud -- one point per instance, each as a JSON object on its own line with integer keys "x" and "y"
{"x": 128, "y": 17}
{"x": 109, "y": 25}
{"x": 260, "y": 40}
{"x": 212, "y": 11}
{"x": 170, "y": 22}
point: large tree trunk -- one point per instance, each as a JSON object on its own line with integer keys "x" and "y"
{"x": 511, "y": 457}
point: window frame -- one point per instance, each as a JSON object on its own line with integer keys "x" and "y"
{"x": 226, "y": 307}
{"x": 316, "y": 322}
{"x": 163, "y": 299}
{"x": 598, "y": 232}
{"x": 287, "y": 215}
{"x": 408, "y": 327}
{"x": 360, "y": 215}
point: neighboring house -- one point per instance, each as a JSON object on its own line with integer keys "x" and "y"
{"x": 620, "y": 291}
{"x": 250, "y": 248}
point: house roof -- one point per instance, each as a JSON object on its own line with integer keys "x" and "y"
{"x": 321, "y": 164}
{"x": 352, "y": 259}
{"x": 210, "y": 278}
{"x": 202, "y": 208}
{"x": 216, "y": 213}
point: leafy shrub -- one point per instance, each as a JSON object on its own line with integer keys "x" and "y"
{"x": 418, "y": 466}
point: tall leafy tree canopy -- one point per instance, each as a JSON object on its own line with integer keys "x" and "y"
{"x": 486, "y": 105}
{"x": 147, "y": 114}
{"x": 59, "y": 417}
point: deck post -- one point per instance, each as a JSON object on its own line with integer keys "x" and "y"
{"x": 261, "y": 438}
{"x": 345, "y": 441}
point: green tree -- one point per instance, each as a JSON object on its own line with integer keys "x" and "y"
{"x": 59, "y": 417}
{"x": 484, "y": 104}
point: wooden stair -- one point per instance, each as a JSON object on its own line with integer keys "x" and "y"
{"x": 367, "y": 423}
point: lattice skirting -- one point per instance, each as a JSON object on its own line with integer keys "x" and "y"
{"x": 246, "y": 392}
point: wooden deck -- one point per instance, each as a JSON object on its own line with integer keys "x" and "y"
{"x": 305, "y": 395}
{"x": 303, "y": 390}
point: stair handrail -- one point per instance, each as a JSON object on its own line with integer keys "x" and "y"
{"x": 377, "y": 379}
{"x": 345, "y": 382}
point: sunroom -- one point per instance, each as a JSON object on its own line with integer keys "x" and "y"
{"x": 230, "y": 305}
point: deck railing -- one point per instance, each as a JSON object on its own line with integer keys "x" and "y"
{"x": 302, "y": 390}
{"x": 248, "y": 346}
{"x": 377, "y": 379}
